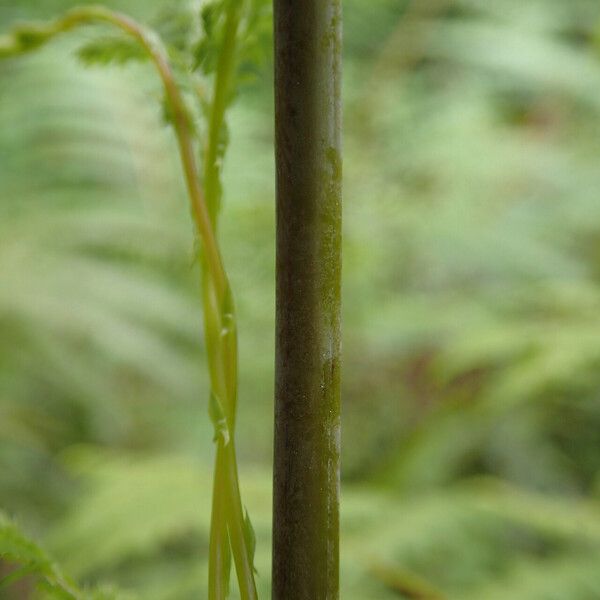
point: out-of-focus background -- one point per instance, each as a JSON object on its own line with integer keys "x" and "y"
{"x": 471, "y": 378}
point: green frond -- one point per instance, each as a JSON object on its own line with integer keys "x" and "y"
{"x": 30, "y": 560}
{"x": 110, "y": 50}
{"x": 135, "y": 511}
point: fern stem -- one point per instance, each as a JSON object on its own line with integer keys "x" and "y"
{"x": 220, "y": 330}
{"x": 225, "y": 374}
{"x": 181, "y": 119}
{"x": 243, "y": 565}
{"x": 223, "y": 80}
{"x": 219, "y": 565}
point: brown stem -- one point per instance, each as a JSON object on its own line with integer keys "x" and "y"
{"x": 307, "y": 402}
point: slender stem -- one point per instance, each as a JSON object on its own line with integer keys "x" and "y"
{"x": 219, "y": 551}
{"x": 220, "y": 331}
{"x": 181, "y": 120}
{"x": 219, "y": 563}
{"x": 307, "y": 402}
{"x": 237, "y": 538}
{"x": 223, "y": 80}
{"x": 226, "y": 370}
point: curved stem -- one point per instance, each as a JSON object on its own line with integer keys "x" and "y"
{"x": 220, "y": 331}
{"x": 181, "y": 118}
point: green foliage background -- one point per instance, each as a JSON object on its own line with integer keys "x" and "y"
{"x": 471, "y": 310}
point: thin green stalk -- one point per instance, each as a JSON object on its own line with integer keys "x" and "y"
{"x": 150, "y": 42}
{"x": 238, "y": 527}
{"x": 219, "y": 565}
{"x": 223, "y": 84}
{"x": 220, "y": 331}
{"x": 225, "y": 373}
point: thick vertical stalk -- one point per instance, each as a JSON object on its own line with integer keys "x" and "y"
{"x": 307, "y": 407}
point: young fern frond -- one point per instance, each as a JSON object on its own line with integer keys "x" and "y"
{"x": 32, "y": 561}
{"x": 231, "y": 532}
